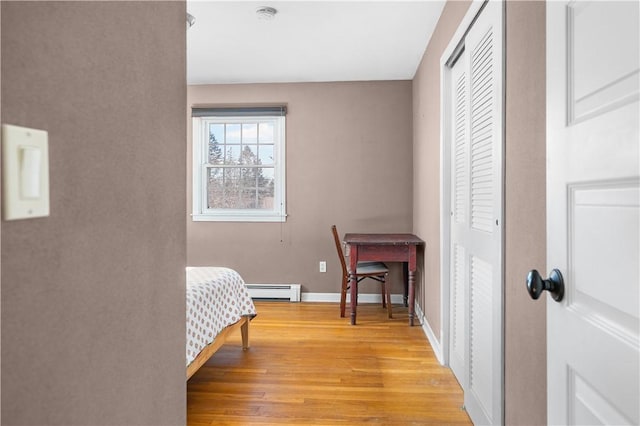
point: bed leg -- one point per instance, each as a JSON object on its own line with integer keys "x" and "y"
{"x": 244, "y": 329}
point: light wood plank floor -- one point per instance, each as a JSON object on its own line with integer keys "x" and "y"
{"x": 306, "y": 365}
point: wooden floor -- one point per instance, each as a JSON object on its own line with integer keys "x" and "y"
{"x": 306, "y": 365}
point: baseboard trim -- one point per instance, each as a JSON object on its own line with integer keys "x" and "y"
{"x": 335, "y": 298}
{"x": 431, "y": 336}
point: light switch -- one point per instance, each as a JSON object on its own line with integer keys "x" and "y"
{"x": 30, "y": 167}
{"x": 25, "y": 172}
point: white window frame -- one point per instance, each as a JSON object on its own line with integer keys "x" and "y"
{"x": 200, "y": 138}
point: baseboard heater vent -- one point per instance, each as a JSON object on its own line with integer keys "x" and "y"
{"x": 290, "y": 292}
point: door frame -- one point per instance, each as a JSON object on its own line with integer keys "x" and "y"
{"x": 441, "y": 349}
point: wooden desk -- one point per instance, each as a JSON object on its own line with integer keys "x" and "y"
{"x": 383, "y": 248}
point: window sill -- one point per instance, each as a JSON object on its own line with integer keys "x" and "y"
{"x": 247, "y": 217}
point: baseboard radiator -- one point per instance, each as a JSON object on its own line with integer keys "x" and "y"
{"x": 290, "y": 292}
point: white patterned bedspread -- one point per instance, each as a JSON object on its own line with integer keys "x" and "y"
{"x": 216, "y": 298}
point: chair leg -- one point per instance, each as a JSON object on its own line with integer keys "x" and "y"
{"x": 343, "y": 297}
{"x": 383, "y": 290}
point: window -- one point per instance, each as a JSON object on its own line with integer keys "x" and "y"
{"x": 239, "y": 165}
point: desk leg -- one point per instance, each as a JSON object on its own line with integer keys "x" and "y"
{"x": 353, "y": 283}
{"x": 354, "y": 297}
{"x": 405, "y": 283}
{"x": 412, "y": 296}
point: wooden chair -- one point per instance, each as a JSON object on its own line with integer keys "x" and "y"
{"x": 377, "y": 271}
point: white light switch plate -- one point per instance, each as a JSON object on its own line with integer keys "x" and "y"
{"x": 25, "y": 172}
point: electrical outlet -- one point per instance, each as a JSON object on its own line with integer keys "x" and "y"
{"x": 323, "y": 266}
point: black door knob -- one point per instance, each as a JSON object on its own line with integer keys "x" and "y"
{"x": 554, "y": 284}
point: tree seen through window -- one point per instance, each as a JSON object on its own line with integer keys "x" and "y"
{"x": 240, "y": 167}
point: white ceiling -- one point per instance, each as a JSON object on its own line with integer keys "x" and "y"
{"x": 308, "y": 40}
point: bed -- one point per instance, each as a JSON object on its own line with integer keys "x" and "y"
{"x": 218, "y": 305}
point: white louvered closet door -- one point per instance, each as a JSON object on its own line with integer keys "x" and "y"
{"x": 476, "y": 338}
{"x": 459, "y": 218}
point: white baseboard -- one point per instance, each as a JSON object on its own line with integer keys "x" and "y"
{"x": 431, "y": 336}
{"x": 335, "y": 298}
{"x": 320, "y": 297}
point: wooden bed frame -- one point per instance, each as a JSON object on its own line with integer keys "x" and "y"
{"x": 220, "y": 340}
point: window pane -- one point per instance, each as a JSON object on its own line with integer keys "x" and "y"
{"x": 265, "y": 201}
{"x": 233, "y": 133}
{"x": 265, "y": 154}
{"x": 232, "y": 188}
{"x": 232, "y": 154}
{"x": 266, "y": 132}
{"x": 216, "y": 131}
{"x": 268, "y": 173}
{"x": 266, "y": 188}
{"x": 215, "y": 187}
{"x": 249, "y": 198}
{"x": 249, "y": 179}
{"x": 266, "y": 181}
{"x": 249, "y": 154}
{"x": 216, "y": 138}
{"x": 250, "y": 133}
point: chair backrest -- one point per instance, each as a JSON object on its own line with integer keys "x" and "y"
{"x": 336, "y": 238}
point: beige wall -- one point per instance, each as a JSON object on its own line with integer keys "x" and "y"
{"x": 0, "y": 211}
{"x": 426, "y": 158}
{"x": 348, "y": 163}
{"x": 93, "y": 329}
{"x": 525, "y": 227}
{"x": 524, "y": 247}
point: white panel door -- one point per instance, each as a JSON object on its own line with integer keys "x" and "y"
{"x": 475, "y": 276}
{"x": 593, "y": 212}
